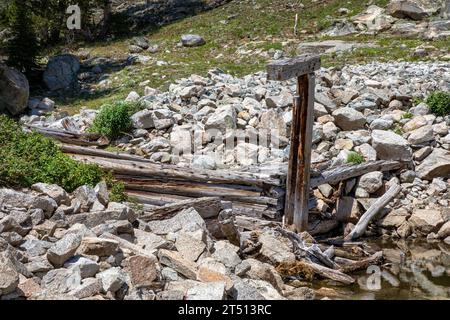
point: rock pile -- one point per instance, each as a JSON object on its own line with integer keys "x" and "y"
{"x": 56, "y": 245}
{"x": 371, "y": 110}
{"x": 409, "y": 18}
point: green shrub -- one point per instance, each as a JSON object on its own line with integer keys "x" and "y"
{"x": 355, "y": 158}
{"x": 113, "y": 120}
{"x": 29, "y": 158}
{"x": 439, "y": 103}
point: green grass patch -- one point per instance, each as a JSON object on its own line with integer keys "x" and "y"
{"x": 407, "y": 115}
{"x": 355, "y": 158}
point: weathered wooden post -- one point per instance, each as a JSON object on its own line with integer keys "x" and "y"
{"x": 297, "y": 183}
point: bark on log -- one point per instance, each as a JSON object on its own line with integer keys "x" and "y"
{"x": 373, "y": 210}
{"x": 80, "y": 150}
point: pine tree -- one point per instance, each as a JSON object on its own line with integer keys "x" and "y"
{"x": 23, "y": 48}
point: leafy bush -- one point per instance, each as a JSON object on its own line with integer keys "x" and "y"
{"x": 113, "y": 120}
{"x": 439, "y": 103}
{"x": 28, "y": 158}
{"x": 355, "y": 158}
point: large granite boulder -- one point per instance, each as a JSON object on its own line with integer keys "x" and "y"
{"x": 14, "y": 90}
{"x": 61, "y": 72}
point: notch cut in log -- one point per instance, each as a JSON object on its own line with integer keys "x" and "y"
{"x": 373, "y": 210}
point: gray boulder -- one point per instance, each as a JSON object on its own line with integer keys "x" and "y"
{"x": 437, "y": 164}
{"x": 406, "y": 9}
{"x": 64, "y": 249}
{"x": 192, "y": 40}
{"x": 61, "y": 72}
{"x": 349, "y": 119}
{"x": 14, "y": 90}
{"x": 390, "y": 146}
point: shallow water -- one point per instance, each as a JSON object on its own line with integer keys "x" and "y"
{"x": 411, "y": 270}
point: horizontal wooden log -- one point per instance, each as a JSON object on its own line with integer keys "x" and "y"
{"x": 338, "y": 174}
{"x": 206, "y": 207}
{"x": 201, "y": 193}
{"x": 67, "y": 148}
{"x": 286, "y": 69}
{"x": 166, "y": 172}
{"x": 83, "y": 139}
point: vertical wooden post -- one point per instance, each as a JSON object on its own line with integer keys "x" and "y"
{"x": 297, "y": 182}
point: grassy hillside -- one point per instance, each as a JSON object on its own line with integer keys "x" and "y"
{"x": 238, "y": 37}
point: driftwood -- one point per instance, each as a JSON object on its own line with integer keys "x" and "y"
{"x": 206, "y": 207}
{"x": 332, "y": 274}
{"x": 374, "y": 209}
{"x": 311, "y": 253}
{"x": 335, "y": 175}
{"x": 349, "y": 266}
{"x": 83, "y": 139}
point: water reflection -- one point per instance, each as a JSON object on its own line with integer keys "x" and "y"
{"x": 411, "y": 270}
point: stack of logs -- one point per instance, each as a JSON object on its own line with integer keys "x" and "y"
{"x": 257, "y": 198}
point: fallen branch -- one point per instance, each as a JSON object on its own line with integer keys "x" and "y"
{"x": 374, "y": 209}
{"x": 335, "y": 275}
{"x": 349, "y": 266}
{"x": 311, "y": 253}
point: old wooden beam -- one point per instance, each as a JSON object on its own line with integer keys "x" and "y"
{"x": 338, "y": 174}
{"x": 206, "y": 207}
{"x": 306, "y": 88}
{"x": 286, "y": 69}
{"x": 297, "y": 180}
